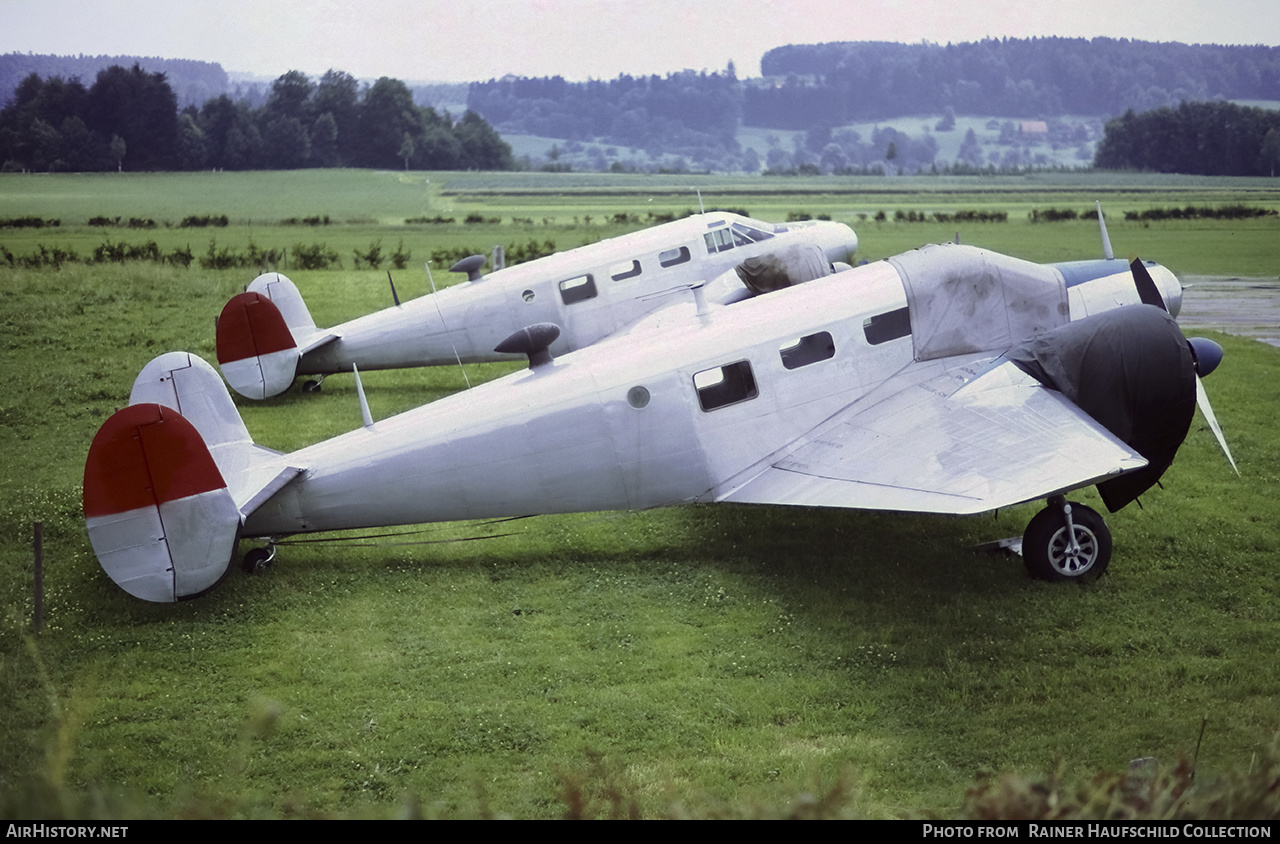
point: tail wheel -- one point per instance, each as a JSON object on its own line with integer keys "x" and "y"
{"x": 258, "y": 560}
{"x": 1050, "y": 554}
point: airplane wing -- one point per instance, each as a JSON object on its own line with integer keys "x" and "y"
{"x": 951, "y": 442}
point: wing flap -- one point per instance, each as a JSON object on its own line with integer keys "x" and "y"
{"x": 1000, "y": 439}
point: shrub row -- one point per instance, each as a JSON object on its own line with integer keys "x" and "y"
{"x": 229, "y": 259}
{"x": 962, "y": 216}
{"x": 1057, "y": 215}
{"x": 315, "y": 256}
{"x": 1191, "y": 212}
{"x": 373, "y": 256}
{"x": 28, "y": 223}
{"x": 621, "y": 218}
{"x": 515, "y": 254}
{"x": 193, "y": 222}
{"x": 114, "y": 222}
{"x": 105, "y": 253}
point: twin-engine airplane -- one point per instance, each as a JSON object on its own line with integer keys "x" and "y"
{"x": 944, "y": 380}
{"x": 266, "y": 337}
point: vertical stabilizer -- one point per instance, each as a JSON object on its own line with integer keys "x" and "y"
{"x": 260, "y": 333}
{"x": 168, "y": 478}
{"x": 160, "y": 517}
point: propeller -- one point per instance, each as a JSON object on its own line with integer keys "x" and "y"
{"x": 1208, "y": 355}
{"x": 1106, "y": 241}
{"x": 1147, "y": 290}
{"x": 394, "y": 297}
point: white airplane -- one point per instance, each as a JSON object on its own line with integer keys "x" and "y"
{"x": 948, "y": 379}
{"x": 266, "y": 336}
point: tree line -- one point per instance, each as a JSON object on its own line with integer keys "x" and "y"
{"x": 129, "y": 119}
{"x": 803, "y": 87}
{"x": 845, "y": 82}
{"x": 1204, "y": 138}
{"x": 687, "y": 113}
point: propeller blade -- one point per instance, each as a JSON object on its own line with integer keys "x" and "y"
{"x": 394, "y": 297}
{"x": 1147, "y": 290}
{"x": 1202, "y": 401}
{"x": 1106, "y": 241}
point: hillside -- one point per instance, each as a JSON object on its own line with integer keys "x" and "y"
{"x": 866, "y": 106}
{"x": 193, "y": 82}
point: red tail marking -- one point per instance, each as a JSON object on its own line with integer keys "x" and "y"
{"x": 251, "y": 325}
{"x": 145, "y": 455}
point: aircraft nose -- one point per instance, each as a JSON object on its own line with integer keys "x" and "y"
{"x": 1170, "y": 289}
{"x": 839, "y": 242}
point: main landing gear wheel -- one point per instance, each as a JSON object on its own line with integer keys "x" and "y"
{"x": 1066, "y": 541}
{"x": 258, "y": 560}
{"x": 311, "y": 386}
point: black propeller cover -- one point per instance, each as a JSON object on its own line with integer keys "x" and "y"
{"x": 1132, "y": 371}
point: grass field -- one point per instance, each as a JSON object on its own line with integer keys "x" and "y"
{"x": 368, "y": 207}
{"x": 705, "y": 661}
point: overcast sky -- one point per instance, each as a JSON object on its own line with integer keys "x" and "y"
{"x": 467, "y": 40}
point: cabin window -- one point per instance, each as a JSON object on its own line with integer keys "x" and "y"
{"x": 809, "y": 349}
{"x": 625, "y": 270}
{"x": 674, "y": 256}
{"x": 882, "y": 328}
{"x": 578, "y": 289}
{"x": 725, "y": 385}
{"x": 638, "y": 397}
{"x": 527, "y": 295}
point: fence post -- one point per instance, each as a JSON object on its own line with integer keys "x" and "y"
{"x": 37, "y": 620}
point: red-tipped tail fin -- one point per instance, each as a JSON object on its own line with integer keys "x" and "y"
{"x": 256, "y": 350}
{"x": 160, "y": 517}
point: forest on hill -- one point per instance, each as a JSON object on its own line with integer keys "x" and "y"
{"x": 1023, "y": 88}
{"x": 808, "y": 86}
{"x": 129, "y": 119}
{"x": 845, "y": 107}
{"x": 192, "y": 82}
{"x": 1018, "y": 78}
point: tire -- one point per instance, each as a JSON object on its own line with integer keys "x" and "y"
{"x": 1044, "y": 545}
{"x": 256, "y": 561}
{"x": 311, "y": 386}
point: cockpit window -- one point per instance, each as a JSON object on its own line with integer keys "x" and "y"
{"x": 724, "y": 239}
{"x": 749, "y": 233}
{"x": 578, "y": 289}
{"x": 722, "y": 386}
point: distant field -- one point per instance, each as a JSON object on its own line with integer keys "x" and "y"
{"x": 366, "y": 207}
{"x": 708, "y": 660}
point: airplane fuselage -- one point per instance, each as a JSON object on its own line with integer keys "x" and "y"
{"x": 681, "y": 408}
{"x": 591, "y": 292}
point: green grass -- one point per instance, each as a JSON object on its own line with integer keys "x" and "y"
{"x": 721, "y": 659}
